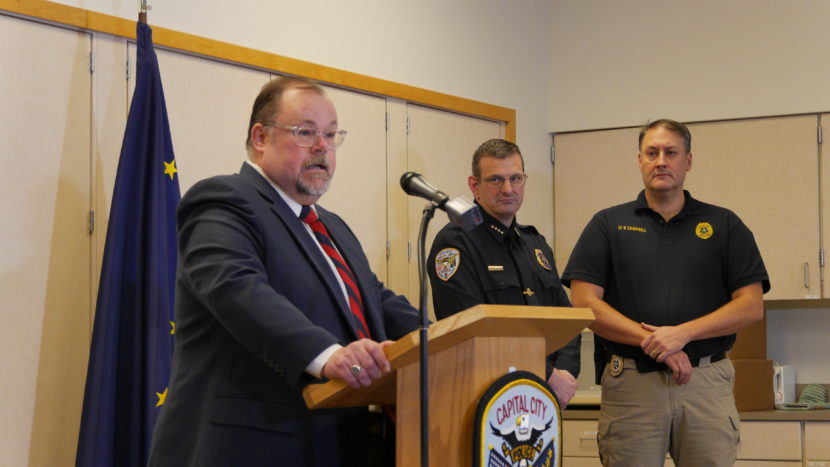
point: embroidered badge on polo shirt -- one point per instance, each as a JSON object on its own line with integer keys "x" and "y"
{"x": 446, "y": 263}
{"x": 542, "y": 259}
{"x": 704, "y": 230}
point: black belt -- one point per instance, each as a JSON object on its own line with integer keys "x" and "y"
{"x": 647, "y": 365}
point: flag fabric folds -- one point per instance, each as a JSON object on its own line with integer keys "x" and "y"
{"x": 132, "y": 339}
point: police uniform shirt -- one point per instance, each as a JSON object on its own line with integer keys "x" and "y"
{"x": 494, "y": 264}
{"x": 667, "y": 273}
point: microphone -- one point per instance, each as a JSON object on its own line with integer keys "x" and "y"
{"x": 460, "y": 211}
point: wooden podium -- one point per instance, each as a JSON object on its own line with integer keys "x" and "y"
{"x": 467, "y": 353}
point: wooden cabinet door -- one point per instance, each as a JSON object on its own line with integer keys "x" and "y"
{"x": 816, "y": 437}
{"x": 440, "y": 146}
{"x": 766, "y": 171}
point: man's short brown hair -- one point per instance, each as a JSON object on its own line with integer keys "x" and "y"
{"x": 498, "y": 148}
{"x": 671, "y": 125}
{"x": 267, "y": 103}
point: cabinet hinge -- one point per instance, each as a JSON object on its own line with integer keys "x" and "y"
{"x": 128, "y": 69}
{"x": 408, "y": 124}
{"x": 408, "y": 251}
{"x": 388, "y": 250}
{"x": 820, "y": 135}
{"x": 92, "y": 61}
{"x": 821, "y": 257}
{"x": 91, "y": 220}
{"x": 387, "y": 121}
{"x": 552, "y": 155}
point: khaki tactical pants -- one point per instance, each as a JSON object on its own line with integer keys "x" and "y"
{"x": 643, "y": 416}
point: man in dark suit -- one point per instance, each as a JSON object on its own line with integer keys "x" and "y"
{"x": 267, "y": 303}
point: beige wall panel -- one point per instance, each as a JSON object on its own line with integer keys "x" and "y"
{"x": 592, "y": 171}
{"x": 44, "y": 243}
{"x": 440, "y": 147}
{"x": 397, "y": 200}
{"x": 358, "y": 190}
{"x": 209, "y": 106}
{"x": 824, "y": 195}
{"x": 766, "y": 171}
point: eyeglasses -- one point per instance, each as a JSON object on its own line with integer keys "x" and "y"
{"x": 308, "y": 137}
{"x": 498, "y": 181}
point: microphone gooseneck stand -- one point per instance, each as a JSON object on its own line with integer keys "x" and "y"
{"x": 429, "y": 211}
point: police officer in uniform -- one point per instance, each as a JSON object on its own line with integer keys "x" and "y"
{"x": 671, "y": 280}
{"x": 500, "y": 261}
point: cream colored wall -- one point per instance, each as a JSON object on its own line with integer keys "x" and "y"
{"x": 486, "y": 50}
{"x": 619, "y": 63}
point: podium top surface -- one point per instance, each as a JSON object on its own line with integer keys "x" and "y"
{"x": 557, "y": 325}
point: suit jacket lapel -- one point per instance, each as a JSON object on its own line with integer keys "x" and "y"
{"x": 304, "y": 241}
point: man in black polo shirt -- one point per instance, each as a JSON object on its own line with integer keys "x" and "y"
{"x": 670, "y": 280}
{"x": 501, "y": 261}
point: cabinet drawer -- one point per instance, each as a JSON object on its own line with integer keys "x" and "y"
{"x": 770, "y": 441}
{"x": 581, "y": 462}
{"x": 767, "y": 464}
{"x": 579, "y": 444}
{"x": 579, "y": 438}
{"x": 594, "y": 462}
{"x": 816, "y": 439}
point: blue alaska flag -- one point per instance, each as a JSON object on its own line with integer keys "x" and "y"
{"x": 132, "y": 339}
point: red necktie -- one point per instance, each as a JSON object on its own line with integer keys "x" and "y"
{"x": 309, "y": 216}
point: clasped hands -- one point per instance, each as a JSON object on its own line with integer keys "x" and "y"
{"x": 664, "y": 344}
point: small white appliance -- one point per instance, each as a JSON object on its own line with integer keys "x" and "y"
{"x": 784, "y": 384}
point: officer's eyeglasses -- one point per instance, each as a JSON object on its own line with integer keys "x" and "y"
{"x": 307, "y": 137}
{"x": 497, "y": 181}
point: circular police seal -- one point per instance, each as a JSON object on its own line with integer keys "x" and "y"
{"x": 446, "y": 263}
{"x": 704, "y": 230}
{"x": 542, "y": 259}
{"x": 518, "y": 424}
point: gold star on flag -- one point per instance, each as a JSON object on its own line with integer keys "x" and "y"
{"x": 172, "y": 327}
{"x": 170, "y": 168}
{"x": 162, "y": 397}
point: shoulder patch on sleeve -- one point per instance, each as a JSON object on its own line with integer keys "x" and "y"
{"x": 542, "y": 259}
{"x": 446, "y": 263}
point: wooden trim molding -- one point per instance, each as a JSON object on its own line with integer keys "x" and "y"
{"x": 98, "y": 22}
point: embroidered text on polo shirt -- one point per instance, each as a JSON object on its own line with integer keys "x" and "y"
{"x": 631, "y": 228}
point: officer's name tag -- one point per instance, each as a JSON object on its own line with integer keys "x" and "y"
{"x": 495, "y": 268}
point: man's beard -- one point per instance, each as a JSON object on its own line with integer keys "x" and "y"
{"x": 307, "y": 189}
{"x": 310, "y": 189}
